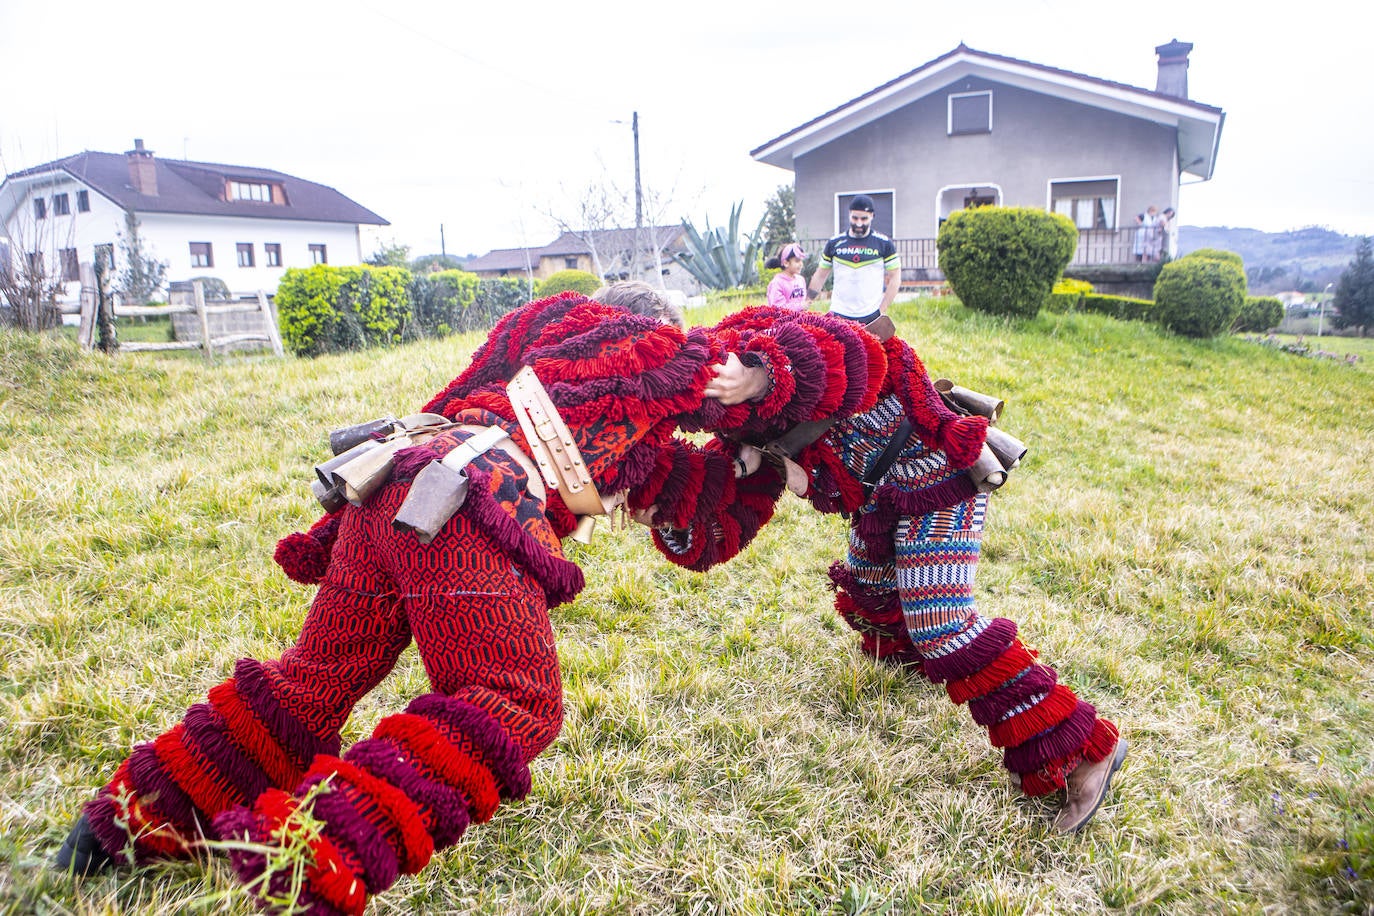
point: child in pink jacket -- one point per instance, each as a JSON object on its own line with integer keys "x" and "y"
{"x": 788, "y": 289}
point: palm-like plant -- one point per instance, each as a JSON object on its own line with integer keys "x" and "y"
{"x": 719, "y": 258}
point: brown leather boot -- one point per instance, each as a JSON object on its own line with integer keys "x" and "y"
{"x": 1087, "y": 786}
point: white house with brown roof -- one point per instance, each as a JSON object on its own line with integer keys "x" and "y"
{"x": 242, "y": 224}
{"x": 971, "y": 128}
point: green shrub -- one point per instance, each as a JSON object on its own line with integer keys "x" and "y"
{"x": 495, "y": 297}
{"x": 441, "y": 303}
{"x": 1066, "y": 294}
{"x": 1125, "y": 308}
{"x": 1258, "y": 313}
{"x": 326, "y": 309}
{"x": 1004, "y": 260}
{"x": 579, "y": 281}
{"x": 1199, "y": 296}
{"x": 1217, "y": 254}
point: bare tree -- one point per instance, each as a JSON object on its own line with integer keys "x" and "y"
{"x": 31, "y": 278}
{"x": 597, "y": 208}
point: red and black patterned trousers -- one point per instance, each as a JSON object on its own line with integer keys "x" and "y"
{"x": 258, "y": 759}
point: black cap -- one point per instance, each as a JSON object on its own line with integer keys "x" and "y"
{"x": 862, "y": 202}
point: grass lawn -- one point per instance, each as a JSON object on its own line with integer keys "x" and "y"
{"x": 1188, "y": 544}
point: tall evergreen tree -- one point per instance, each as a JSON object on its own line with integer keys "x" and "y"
{"x": 779, "y": 220}
{"x": 143, "y": 274}
{"x": 1355, "y": 291}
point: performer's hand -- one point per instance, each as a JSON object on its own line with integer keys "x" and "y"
{"x": 645, "y": 517}
{"x": 735, "y": 383}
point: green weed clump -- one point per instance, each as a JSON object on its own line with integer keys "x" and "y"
{"x": 1188, "y": 544}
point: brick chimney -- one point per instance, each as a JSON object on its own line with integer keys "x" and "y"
{"x": 142, "y": 169}
{"x": 1173, "y": 68}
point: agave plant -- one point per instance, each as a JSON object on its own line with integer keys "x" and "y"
{"x": 718, "y": 257}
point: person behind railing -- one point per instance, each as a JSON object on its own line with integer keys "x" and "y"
{"x": 1148, "y": 238}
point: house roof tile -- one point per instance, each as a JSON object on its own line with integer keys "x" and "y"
{"x": 190, "y": 187}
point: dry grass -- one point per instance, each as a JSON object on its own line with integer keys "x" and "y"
{"x": 1189, "y": 545}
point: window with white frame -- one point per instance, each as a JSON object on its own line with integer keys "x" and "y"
{"x": 970, "y": 112}
{"x": 250, "y": 190}
{"x": 40, "y": 208}
{"x": 61, "y": 205}
{"x": 83, "y": 201}
{"x": 1090, "y": 203}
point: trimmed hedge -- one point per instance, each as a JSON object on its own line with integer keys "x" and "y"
{"x": 442, "y": 303}
{"x": 1258, "y": 314}
{"x": 1004, "y": 260}
{"x": 1124, "y": 307}
{"x": 1217, "y": 254}
{"x": 495, "y": 297}
{"x": 1066, "y": 294}
{"x": 1199, "y": 296}
{"x": 579, "y": 281}
{"x": 326, "y": 309}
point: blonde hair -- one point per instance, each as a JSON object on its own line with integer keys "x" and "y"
{"x": 642, "y": 299}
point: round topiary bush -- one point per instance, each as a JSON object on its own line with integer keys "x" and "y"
{"x": 1259, "y": 313}
{"x": 1199, "y": 296}
{"x": 1005, "y": 260}
{"x": 1218, "y": 254}
{"x": 579, "y": 281}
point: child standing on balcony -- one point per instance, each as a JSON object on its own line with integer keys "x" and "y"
{"x": 788, "y": 289}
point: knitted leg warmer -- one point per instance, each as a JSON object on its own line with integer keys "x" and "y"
{"x": 865, "y": 587}
{"x": 355, "y": 824}
{"x": 876, "y": 613}
{"x": 225, "y": 752}
{"x": 1043, "y": 727}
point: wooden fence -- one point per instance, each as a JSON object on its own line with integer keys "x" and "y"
{"x": 182, "y": 302}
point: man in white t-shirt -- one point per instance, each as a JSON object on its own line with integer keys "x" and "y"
{"x": 865, "y": 264}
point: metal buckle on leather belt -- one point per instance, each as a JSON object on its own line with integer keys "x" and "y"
{"x": 552, "y": 444}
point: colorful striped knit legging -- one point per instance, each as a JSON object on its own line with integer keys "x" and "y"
{"x": 916, "y": 608}
{"x": 258, "y": 760}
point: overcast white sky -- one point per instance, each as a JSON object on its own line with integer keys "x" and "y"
{"x": 484, "y": 117}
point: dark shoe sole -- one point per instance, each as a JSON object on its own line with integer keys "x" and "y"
{"x": 1118, "y": 756}
{"x": 81, "y": 854}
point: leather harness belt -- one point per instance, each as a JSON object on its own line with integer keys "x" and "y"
{"x": 790, "y": 444}
{"x": 485, "y": 438}
{"x": 551, "y": 445}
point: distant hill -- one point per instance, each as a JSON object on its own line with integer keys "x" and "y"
{"x": 1302, "y": 259}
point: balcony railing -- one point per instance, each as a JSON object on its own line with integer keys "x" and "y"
{"x": 921, "y": 260}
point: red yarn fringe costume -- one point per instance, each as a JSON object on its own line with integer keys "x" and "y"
{"x": 260, "y": 758}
